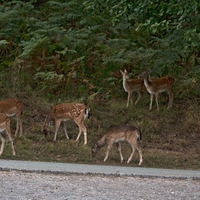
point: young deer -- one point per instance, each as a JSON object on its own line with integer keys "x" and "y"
{"x": 159, "y": 85}
{"x": 67, "y": 111}
{"x": 5, "y": 125}
{"x": 13, "y": 107}
{"x": 132, "y": 85}
{"x": 118, "y": 134}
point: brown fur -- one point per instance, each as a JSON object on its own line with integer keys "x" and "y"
{"x": 5, "y": 125}
{"x": 118, "y": 134}
{"x": 64, "y": 112}
{"x": 12, "y": 107}
{"x": 132, "y": 85}
{"x": 159, "y": 85}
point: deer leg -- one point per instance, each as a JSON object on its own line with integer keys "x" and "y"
{"x": 131, "y": 156}
{"x": 139, "y": 97}
{"x": 170, "y": 103}
{"x": 20, "y": 123}
{"x": 11, "y": 142}
{"x": 2, "y": 143}
{"x": 129, "y": 99}
{"x": 84, "y": 134}
{"x": 156, "y": 97}
{"x": 17, "y": 126}
{"x": 79, "y": 134}
{"x": 65, "y": 130}
{"x": 107, "y": 152}
{"x": 151, "y": 100}
{"x": 118, "y": 145}
{"x": 85, "y": 137}
{"x": 56, "y": 129}
{"x": 83, "y": 129}
{"x": 140, "y": 153}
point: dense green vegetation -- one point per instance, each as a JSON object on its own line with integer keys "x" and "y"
{"x": 83, "y": 44}
{"x": 58, "y": 51}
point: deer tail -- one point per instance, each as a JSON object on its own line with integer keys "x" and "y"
{"x": 87, "y": 113}
{"x": 139, "y": 138}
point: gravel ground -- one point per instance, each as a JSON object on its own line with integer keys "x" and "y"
{"x": 18, "y": 185}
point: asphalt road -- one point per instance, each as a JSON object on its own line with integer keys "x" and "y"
{"x": 84, "y": 169}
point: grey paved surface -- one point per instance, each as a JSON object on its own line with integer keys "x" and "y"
{"x": 32, "y": 166}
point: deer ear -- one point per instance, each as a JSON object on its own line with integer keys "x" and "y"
{"x": 121, "y": 71}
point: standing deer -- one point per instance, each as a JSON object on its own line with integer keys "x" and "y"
{"x": 13, "y": 107}
{"x": 118, "y": 134}
{"x": 67, "y": 111}
{"x": 159, "y": 85}
{"x": 132, "y": 85}
{"x": 5, "y": 125}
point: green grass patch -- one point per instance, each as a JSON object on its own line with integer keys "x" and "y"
{"x": 170, "y": 138}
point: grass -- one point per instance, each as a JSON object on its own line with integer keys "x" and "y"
{"x": 171, "y": 138}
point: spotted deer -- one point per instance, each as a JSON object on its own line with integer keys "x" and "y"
{"x": 118, "y": 134}
{"x": 5, "y": 125}
{"x": 67, "y": 111}
{"x": 13, "y": 107}
{"x": 157, "y": 86}
{"x": 132, "y": 85}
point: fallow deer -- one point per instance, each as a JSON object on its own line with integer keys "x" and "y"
{"x": 67, "y": 111}
{"x": 13, "y": 107}
{"x": 132, "y": 85}
{"x": 5, "y": 125}
{"x": 159, "y": 85}
{"x": 118, "y": 134}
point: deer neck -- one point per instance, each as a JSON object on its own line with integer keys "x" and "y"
{"x": 125, "y": 84}
{"x": 101, "y": 142}
{"x": 147, "y": 84}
